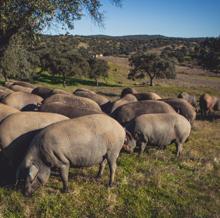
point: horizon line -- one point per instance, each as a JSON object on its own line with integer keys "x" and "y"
{"x": 160, "y": 35}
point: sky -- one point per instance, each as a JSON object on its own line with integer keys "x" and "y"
{"x": 175, "y": 18}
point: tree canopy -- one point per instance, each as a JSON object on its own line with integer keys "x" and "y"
{"x": 98, "y": 68}
{"x": 151, "y": 65}
{"x": 208, "y": 54}
{"x": 34, "y": 15}
{"x": 23, "y": 19}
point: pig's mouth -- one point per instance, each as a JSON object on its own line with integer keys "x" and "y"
{"x": 33, "y": 187}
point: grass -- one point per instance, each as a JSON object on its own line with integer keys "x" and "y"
{"x": 154, "y": 185}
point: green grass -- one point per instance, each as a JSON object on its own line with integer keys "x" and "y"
{"x": 153, "y": 185}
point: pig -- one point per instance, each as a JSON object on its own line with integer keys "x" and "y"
{"x": 190, "y": 98}
{"x": 122, "y": 101}
{"x": 22, "y": 101}
{"x": 74, "y": 101}
{"x": 158, "y": 130}
{"x": 128, "y": 90}
{"x": 6, "y": 110}
{"x": 147, "y": 96}
{"x": 18, "y": 88}
{"x": 67, "y": 110}
{"x": 16, "y": 133}
{"x": 79, "y": 142}
{"x": 208, "y": 103}
{"x": 99, "y": 99}
{"x": 128, "y": 112}
{"x": 182, "y": 107}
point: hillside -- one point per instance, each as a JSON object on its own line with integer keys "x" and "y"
{"x": 118, "y": 45}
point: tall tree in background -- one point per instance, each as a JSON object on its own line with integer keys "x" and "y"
{"x": 151, "y": 65}
{"x": 28, "y": 17}
{"x": 65, "y": 63}
{"x": 98, "y": 68}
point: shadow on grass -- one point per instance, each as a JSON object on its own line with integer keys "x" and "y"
{"x": 209, "y": 117}
{"x": 55, "y": 80}
{"x": 2, "y": 82}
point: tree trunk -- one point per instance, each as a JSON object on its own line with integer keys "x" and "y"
{"x": 5, "y": 77}
{"x": 97, "y": 82}
{"x": 64, "y": 80}
{"x": 53, "y": 77}
{"x": 151, "y": 79}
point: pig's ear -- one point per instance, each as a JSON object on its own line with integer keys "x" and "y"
{"x": 128, "y": 136}
{"x": 33, "y": 172}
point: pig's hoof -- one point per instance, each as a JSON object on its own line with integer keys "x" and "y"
{"x": 110, "y": 185}
{"x": 65, "y": 190}
{"x": 98, "y": 177}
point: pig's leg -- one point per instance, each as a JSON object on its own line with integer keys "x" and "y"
{"x": 101, "y": 169}
{"x": 143, "y": 145}
{"x": 64, "y": 173}
{"x": 112, "y": 167}
{"x": 179, "y": 148}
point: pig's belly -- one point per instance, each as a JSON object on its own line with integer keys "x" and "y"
{"x": 87, "y": 157}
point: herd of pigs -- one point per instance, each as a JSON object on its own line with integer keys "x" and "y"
{"x": 45, "y": 130}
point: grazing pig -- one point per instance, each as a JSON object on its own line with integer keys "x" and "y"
{"x": 67, "y": 110}
{"x": 122, "y": 101}
{"x": 99, "y": 99}
{"x": 147, "y": 96}
{"x": 159, "y": 130}
{"x": 43, "y": 92}
{"x": 22, "y": 101}
{"x": 18, "y": 88}
{"x": 6, "y": 110}
{"x": 126, "y": 91}
{"x": 182, "y": 107}
{"x": 6, "y": 90}
{"x": 16, "y": 133}
{"x": 217, "y": 105}
{"x": 190, "y": 98}
{"x": 8, "y": 84}
{"x": 80, "y": 142}
{"x": 60, "y": 91}
{"x": 3, "y": 94}
{"x": 24, "y": 84}
{"x": 85, "y": 90}
{"x": 208, "y": 103}
{"x": 19, "y": 83}
{"x": 128, "y": 112}
{"x": 75, "y": 101}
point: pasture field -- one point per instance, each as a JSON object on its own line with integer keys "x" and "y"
{"x": 153, "y": 185}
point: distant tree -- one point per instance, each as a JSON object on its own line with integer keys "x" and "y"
{"x": 180, "y": 54}
{"x": 66, "y": 64}
{"x": 85, "y": 53}
{"x": 208, "y": 54}
{"x": 98, "y": 69}
{"x": 152, "y": 66}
